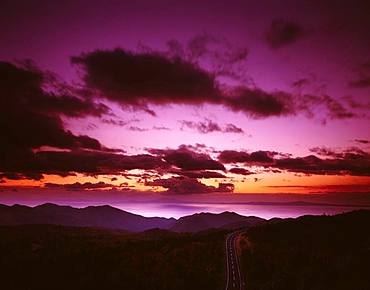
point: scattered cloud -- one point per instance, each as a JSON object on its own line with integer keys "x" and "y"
{"x": 330, "y": 188}
{"x": 161, "y": 128}
{"x": 77, "y": 186}
{"x": 257, "y": 157}
{"x": 258, "y": 103}
{"x": 352, "y": 161}
{"x": 116, "y": 122}
{"x": 231, "y": 128}
{"x": 209, "y": 126}
{"x": 346, "y": 163}
{"x": 187, "y": 160}
{"x": 334, "y": 108}
{"x": 222, "y": 58}
{"x": 184, "y": 185}
{"x": 200, "y": 174}
{"x": 87, "y": 162}
{"x": 137, "y": 129}
{"x": 240, "y": 171}
{"x": 203, "y": 127}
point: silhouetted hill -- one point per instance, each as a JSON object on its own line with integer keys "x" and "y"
{"x": 114, "y": 218}
{"x": 309, "y": 252}
{"x": 203, "y": 221}
{"x": 92, "y": 216}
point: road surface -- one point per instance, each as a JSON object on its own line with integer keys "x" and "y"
{"x": 234, "y": 279}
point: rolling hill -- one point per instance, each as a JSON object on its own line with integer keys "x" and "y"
{"x": 114, "y": 218}
{"x": 91, "y": 216}
{"x": 203, "y": 221}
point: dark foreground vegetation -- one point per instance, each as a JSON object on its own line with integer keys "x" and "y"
{"x": 310, "y": 253}
{"x": 38, "y": 257}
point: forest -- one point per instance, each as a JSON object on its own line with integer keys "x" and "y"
{"x": 310, "y": 252}
{"x": 44, "y": 257}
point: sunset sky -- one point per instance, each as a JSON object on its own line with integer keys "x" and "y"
{"x": 184, "y": 102}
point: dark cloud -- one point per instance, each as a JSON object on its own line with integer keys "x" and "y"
{"x": 181, "y": 161}
{"x": 333, "y": 188}
{"x": 226, "y": 187}
{"x": 329, "y": 152}
{"x": 187, "y": 160}
{"x": 199, "y": 148}
{"x": 23, "y": 175}
{"x": 200, "y": 174}
{"x": 352, "y": 161}
{"x": 77, "y": 186}
{"x": 356, "y": 104}
{"x": 344, "y": 163}
{"x": 96, "y": 162}
{"x": 209, "y": 126}
{"x": 347, "y": 164}
{"x": 34, "y": 140}
{"x": 362, "y": 141}
{"x": 324, "y": 151}
{"x": 334, "y": 108}
{"x": 283, "y": 32}
{"x": 23, "y": 86}
{"x": 337, "y": 110}
{"x": 204, "y": 127}
{"x": 232, "y": 156}
{"x": 88, "y": 162}
{"x": 138, "y": 78}
{"x": 258, "y": 103}
{"x": 30, "y": 117}
{"x": 240, "y": 171}
{"x": 184, "y": 185}
{"x": 231, "y": 128}
{"x": 257, "y": 157}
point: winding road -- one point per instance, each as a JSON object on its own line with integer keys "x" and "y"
{"x": 234, "y": 279}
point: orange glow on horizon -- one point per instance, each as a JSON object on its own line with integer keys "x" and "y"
{"x": 258, "y": 183}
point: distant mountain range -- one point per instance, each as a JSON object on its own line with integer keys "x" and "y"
{"x": 114, "y": 218}
{"x": 203, "y": 221}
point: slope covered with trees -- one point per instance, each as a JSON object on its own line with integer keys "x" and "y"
{"x": 43, "y": 257}
{"x": 310, "y": 252}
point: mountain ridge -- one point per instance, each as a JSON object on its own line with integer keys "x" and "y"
{"x": 110, "y": 217}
